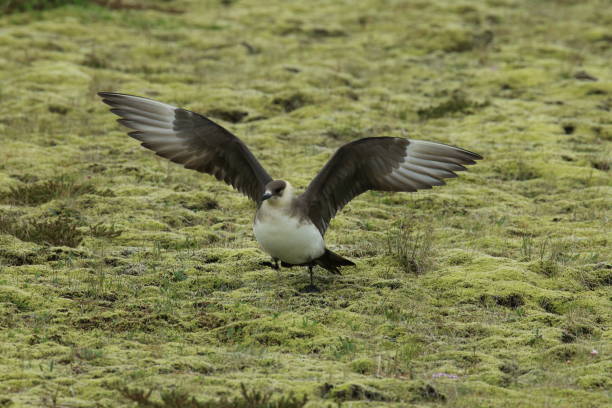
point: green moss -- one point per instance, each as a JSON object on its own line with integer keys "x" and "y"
{"x": 506, "y": 294}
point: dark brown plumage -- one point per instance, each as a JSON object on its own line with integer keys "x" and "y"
{"x": 372, "y": 164}
{"x": 190, "y": 139}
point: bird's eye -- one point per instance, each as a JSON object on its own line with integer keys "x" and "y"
{"x": 279, "y": 190}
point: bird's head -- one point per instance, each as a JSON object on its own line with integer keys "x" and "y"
{"x": 277, "y": 192}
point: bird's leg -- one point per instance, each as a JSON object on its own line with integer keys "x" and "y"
{"x": 277, "y": 268}
{"x": 310, "y": 268}
{"x": 311, "y": 287}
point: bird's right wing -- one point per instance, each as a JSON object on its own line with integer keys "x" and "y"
{"x": 190, "y": 139}
{"x": 380, "y": 163}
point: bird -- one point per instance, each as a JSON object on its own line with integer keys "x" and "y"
{"x": 290, "y": 227}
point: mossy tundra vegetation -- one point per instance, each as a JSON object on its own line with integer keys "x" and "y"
{"x": 126, "y": 280}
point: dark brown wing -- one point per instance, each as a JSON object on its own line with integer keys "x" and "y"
{"x": 190, "y": 139}
{"x": 380, "y": 163}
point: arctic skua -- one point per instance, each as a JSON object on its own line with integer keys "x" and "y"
{"x": 290, "y": 227}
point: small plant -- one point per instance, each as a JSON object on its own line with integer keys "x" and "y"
{"x": 549, "y": 255}
{"x": 411, "y": 244}
{"x": 100, "y": 230}
{"x": 516, "y": 170}
{"x": 535, "y": 338}
{"x": 31, "y": 194}
{"x": 308, "y": 323}
{"x": 7, "y": 223}
{"x": 346, "y": 347}
{"x": 180, "y": 399}
{"x": 402, "y": 361}
{"x": 526, "y": 247}
{"x": 292, "y": 102}
{"x": 344, "y": 132}
{"x": 58, "y": 231}
{"x": 392, "y": 313}
{"x": 457, "y": 103}
{"x": 363, "y": 366}
{"x": 94, "y": 60}
{"x": 601, "y": 162}
{"x": 12, "y": 6}
{"x": 50, "y": 400}
{"x": 87, "y": 354}
{"x": 178, "y": 275}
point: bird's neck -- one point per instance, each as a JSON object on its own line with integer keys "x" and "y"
{"x": 283, "y": 203}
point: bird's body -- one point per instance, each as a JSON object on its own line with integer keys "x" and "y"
{"x": 288, "y": 239}
{"x": 289, "y": 227}
{"x": 284, "y": 236}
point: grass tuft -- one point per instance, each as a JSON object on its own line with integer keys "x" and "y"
{"x": 411, "y": 245}
{"x": 516, "y": 170}
{"x": 32, "y": 194}
{"x": 549, "y": 254}
{"x": 100, "y": 230}
{"x": 58, "y": 231}
{"x": 14, "y": 6}
{"x": 352, "y": 392}
{"x": 291, "y": 102}
{"x": 457, "y": 103}
{"x": 179, "y": 399}
{"x": 228, "y": 115}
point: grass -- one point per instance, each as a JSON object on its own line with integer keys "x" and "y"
{"x": 121, "y": 273}
{"x": 56, "y": 231}
{"x": 13, "y": 6}
{"x": 457, "y": 103}
{"x": 411, "y": 245}
{"x": 247, "y": 399}
{"x": 41, "y": 192}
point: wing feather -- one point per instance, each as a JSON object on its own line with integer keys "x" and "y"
{"x": 190, "y": 139}
{"x": 384, "y": 164}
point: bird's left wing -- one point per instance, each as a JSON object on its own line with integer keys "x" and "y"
{"x": 190, "y": 139}
{"x": 380, "y": 163}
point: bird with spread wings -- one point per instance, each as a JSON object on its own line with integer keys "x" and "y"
{"x": 375, "y": 163}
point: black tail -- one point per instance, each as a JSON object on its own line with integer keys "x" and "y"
{"x": 332, "y": 261}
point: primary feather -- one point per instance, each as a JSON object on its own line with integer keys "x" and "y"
{"x": 190, "y": 139}
{"x": 380, "y": 163}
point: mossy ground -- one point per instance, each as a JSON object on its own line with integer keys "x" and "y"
{"x": 163, "y": 286}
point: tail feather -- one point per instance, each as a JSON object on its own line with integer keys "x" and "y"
{"x": 332, "y": 261}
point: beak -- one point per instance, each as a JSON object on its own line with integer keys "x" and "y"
{"x": 266, "y": 196}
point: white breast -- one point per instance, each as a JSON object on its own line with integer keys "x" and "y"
{"x": 288, "y": 239}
